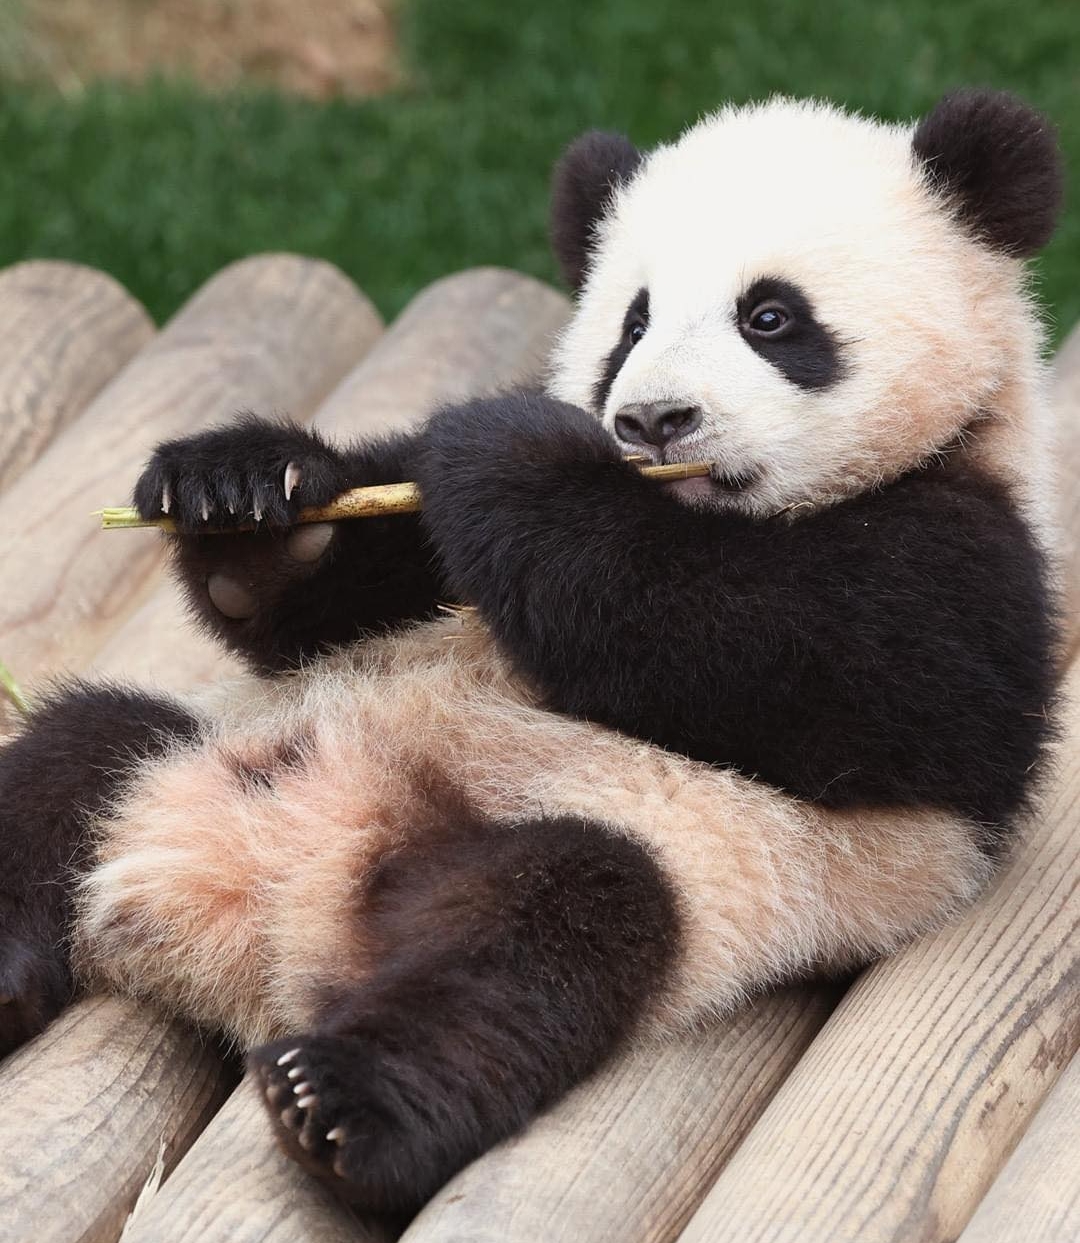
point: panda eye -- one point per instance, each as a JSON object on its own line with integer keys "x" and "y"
{"x": 637, "y": 331}
{"x": 769, "y": 319}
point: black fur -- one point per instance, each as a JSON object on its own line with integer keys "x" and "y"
{"x": 896, "y": 649}
{"x": 73, "y": 755}
{"x": 996, "y": 159}
{"x": 636, "y": 313}
{"x": 510, "y": 962}
{"x": 375, "y": 574}
{"x": 805, "y": 351}
{"x": 590, "y": 168}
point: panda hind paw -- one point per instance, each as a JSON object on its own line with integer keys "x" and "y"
{"x": 323, "y": 1097}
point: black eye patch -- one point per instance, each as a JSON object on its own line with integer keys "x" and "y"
{"x": 805, "y": 352}
{"x": 636, "y": 314}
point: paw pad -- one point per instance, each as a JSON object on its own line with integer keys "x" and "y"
{"x": 230, "y": 598}
{"x": 289, "y": 1086}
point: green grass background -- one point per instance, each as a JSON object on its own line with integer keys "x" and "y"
{"x": 162, "y": 185}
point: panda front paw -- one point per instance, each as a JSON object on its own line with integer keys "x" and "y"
{"x": 497, "y": 475}
{"x": 501, "y": 438}
{"x": 251, "y": 470}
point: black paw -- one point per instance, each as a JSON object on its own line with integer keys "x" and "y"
{"x": 252, "y": 470}
{"x": 495, "y": 474}
{"x": 35, "y": 985}
{"x": 338, "y": 1113}
{"x": 499, "y": 439}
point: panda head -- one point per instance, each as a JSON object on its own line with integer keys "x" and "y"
{"x": 811, "y": 300}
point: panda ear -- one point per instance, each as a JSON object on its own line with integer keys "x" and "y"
{"x": 584, "y": 178}
{"x": 996, "y": 159}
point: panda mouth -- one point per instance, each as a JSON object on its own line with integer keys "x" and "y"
{"x": 723, "y": 488}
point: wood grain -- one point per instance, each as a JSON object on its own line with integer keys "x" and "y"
{"x": 1065, "y": 396}
{"x": 64, "y": 331}
{"x": 221, "y": 352}
{"x": 468, "y": 334}
{"x": 274, "y": 331}
{"x": 87, "y": 1107}
{"x": 905, "y": 1107}
{"x": 236, "y": 1186}
{"x": 629, "y": 1155}
{"x": 1036, "y": 1198}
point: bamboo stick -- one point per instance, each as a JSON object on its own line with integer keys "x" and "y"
{"x": 373, "y": 502}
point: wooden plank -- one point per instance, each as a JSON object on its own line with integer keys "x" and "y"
{"x": 1036, "y": 1198}
{"x": 274, "y": 330}
{"x": 468, "y": 334}
{"x": 907, "y": 1104}
{"x": 630, "y": 1154}
{"x": 88, "y": 1107}
{"x": 237, "y": 1186}
{"x": 64, "y": 331}
{"x": 487, "y": 330}
{"x": 225, "y": 344}
{"x": 485, "y": 327}
{"x": 1065, "y": 397}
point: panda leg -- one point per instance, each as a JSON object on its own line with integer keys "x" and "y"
{"x": 55, "y": 776}
{"x": 509, "y": 962}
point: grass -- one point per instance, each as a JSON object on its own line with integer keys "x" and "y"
{"x": 161, "y": 185}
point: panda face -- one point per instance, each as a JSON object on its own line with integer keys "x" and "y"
{"x": 786, "y": 293}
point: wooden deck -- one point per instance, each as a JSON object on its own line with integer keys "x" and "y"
{"x": 938, "y": 1099}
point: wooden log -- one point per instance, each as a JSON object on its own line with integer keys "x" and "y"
{"x": 630, "y": 1154}
{"x": 1065, "y": 396}
{"x": 486, "y": 329}
{"x": 905, "y": 1107}
{"x": 466, "y": 335}
{"x": 237, "y": 1186}
{"x": 89, "y": 1106}
{"x": 1036, "y": 1198}
{"x": 273, "y": 331}
{"x": 232, "y": 345}
{"x": 64, "y": 331}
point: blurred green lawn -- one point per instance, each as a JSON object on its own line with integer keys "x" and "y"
{"x": 162, "y": 185}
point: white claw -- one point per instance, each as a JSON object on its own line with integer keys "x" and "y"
{"x": 293, "y": 475}
{"x": 286, "y": 1058}
{"x": 337, "y": 1135}
{"x": 306, "y": 1102}
{"x": 166, "y": 498}
{"x": 301, "y": 1089}
{"x": 296, "y": 1072}
{"x": 256, "y": 513}
{"x": 205, "y": 510}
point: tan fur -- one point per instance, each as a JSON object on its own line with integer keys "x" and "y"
{"x": 232, "y": 898}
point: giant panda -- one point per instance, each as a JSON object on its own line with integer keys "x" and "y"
{"x": 576, "y": 758}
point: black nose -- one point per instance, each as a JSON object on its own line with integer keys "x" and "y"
{"x": 656, "y": 422}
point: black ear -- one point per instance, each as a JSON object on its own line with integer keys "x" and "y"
{"x": 590, "y": 168}
{"x": 997, "y": 160}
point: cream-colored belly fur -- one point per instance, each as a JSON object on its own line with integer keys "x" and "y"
{"x": 229, "y": 874}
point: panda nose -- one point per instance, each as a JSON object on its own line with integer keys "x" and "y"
{"x": 656, "y": 422}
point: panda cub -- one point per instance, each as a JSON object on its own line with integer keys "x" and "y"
{"x": 690, "y": 739}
